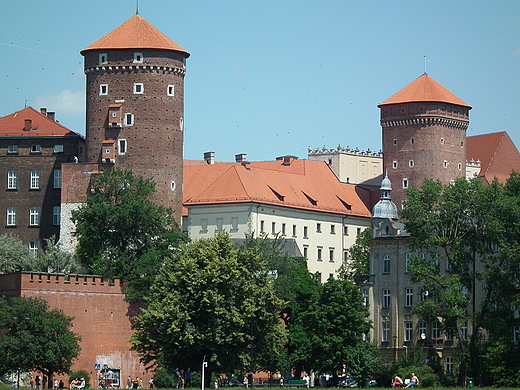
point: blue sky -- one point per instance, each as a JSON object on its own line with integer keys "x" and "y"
{"x": 274, "y": 77}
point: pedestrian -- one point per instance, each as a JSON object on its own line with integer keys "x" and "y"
{"x": 187, "y": 377}
{"x": 150, "y": 382}
{"x": 129, "y": 382}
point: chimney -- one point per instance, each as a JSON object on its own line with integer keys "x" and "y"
{"x": 28, "y": 125}
{"x": 287, "y": 160}
{"x": 242, "y": 157}
{"x": 43, "y": 111}
{"x": 209, "y": 157}
{"x": 51, "y": 115}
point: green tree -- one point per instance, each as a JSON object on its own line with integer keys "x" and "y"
{"x": 55, "y": 260}
{"x": 15, "y": 255}
{"x": 358, "y": 267}
{"x": 328, "y": 332}
{"x": 211, "y": 300}
{"x": 122, "y": 232}
{"x": 37, "y": 338}
{"x": 472, "y": 234}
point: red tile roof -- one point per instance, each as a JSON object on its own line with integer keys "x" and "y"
{"x": 135, "y": 33}
{"x": 498, "y": 155}
{"x": 424, "y": 89}
{"x": 13, "y": 125}
{"x": 304, "y": 184}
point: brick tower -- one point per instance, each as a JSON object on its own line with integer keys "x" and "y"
{"x": 135, "y": 106}
{"x": 424, "y": 135}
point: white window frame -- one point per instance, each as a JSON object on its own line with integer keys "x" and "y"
{"x": 102, "y": 58}
{"x": 386, "y": 264}
{"x": 219, "y": 224}
{"x": 138, "y": 58}
{"x": 103, "y": 89}
{"x": 36, "y": 149}
{"x": 408, "y": 297}
{"x": 57, "y": 178}
{"x": 34, "y": 248}
{"x": 121, "y": 146}
{"x": 435, "y": 330}
{"x": 234, "y": 224}
{"x": 170, "y": 90}
{"x": 56, "y": 215}
{"x": 58, "y": 148}
{"x": 408, "y": 331}
{"x": 386, "y": 330}
{"x": 138, "y": 88}
{"x": 12, "y": 179}
{"x": 12, "y": 149}
{"x": 449, "y": 364}
{"x": 34, "y": 216}
{"x": 129, "y": 119}
{"x": 406, "y": 184}
{"x": 394, "y": 164}
{"x": 422, "y": 328}
{"x": 35, "y": 179}
{"x": 385, "y": 303}
{"x": 11, "y": 216}
{"x": 411, "y": 163}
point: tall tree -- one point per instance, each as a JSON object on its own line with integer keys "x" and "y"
{"x": 38, "y": 338}
{"x": 55, "y": 260}
{"x": 212, "y": 301}
{"x": 472, "y": 233}
{"x": 15, "y": 256}
{"x": 358, "y": 267}
{"x": 122, "y": 232}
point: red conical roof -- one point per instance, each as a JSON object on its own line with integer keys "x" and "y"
{"x": 424, "y": 89}
{"x": 135, "y": 33}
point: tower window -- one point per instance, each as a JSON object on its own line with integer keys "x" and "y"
{"x": 395, "y": 142}
{"x": 129, "y": 119}
{"x": 412, "y": 141}
{"x": 394, "y": 164}
{"x": 172, "y": 185}
{"x": 171, "y": 90}
{"x": 138, "y": 88}
{"x": 411, "y": 163}
{"x": 121, "y": 146}
{"x": 445, "y": 164}
{"x": 138, "y": 58}
{"x": 405, "y": 183}
{"x": 459, "y": 166}
{"x": 103, "y": 58}
{"x": 462, "y": 144}
{"x": 442, "y": 141}
{"x": 103, "y": 89}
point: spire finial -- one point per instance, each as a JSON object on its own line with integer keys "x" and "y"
{"x": 137, "y": 7}
{"x": 425, "y": 65}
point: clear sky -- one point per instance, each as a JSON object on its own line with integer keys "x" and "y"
{"x": 274, "y": 77}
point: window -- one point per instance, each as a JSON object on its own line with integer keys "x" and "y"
{"x": 36, "y": 149}
{"x": 171, "y": 90}
{"x": 318, "y": 227}
{"x": 407, "y": 262}
{"x": 103, "y": 58}
{"x": 58, "y": 148}
{"x": 411, "y": 163}
{"x": 294, "y": 230}
{"x": 366, "y": 297}
{"x": 422, "y": 329}
{"x": 129, "y": 119}
{"x": 345, "y": 230}
{"x": 449, "y": 364}
{"x": 409, "y": 297}
{"x": 12, "y": 149}
{"x": 234, "y": 223}
{"x": 464, "y": 330}
{"x": 138, "y": 88}
{"x": 405, "y": 183}
{"x": 459, "y": 166}
{"x": 332, "y": 229}
{"x": 204, "y": 225}
{"x": 34, "y": 216}
{"x": 445, "y": 164}
{"x": 394, "y": 164}
{"x": 220, "y": 224}
{"x": 386, "y": 331}
{"x": 345, "y": 256}
{"x": 412, "y": 141}
{"x": 35, "y": 180}
{"x": 121, "y": 146}
{"x": 11, "y": 216}
{"x": 305, "y": 231}
{"x": 103, "y": 89}
{"x": 172, "y": 185}
{"x": 442, "y": 141}
{"x": 306, "y": 251}
{"x": 320, "y": 251}
{"x": 435, "y": 330}
{"x": 408, "y": 331}
{"x": 386, "y": 264}
{"x": 395, "y": 142}
{"x": 56, "y": 215}
{"x": 386, "y": 297}
{"x": 12, "y": 179}
{"x": 283, "y": 229}
{"x": 318, "y": 277}
{"x": 449, "y": 334}
{"x": 138, "y": 58}
{"x": 262, "y": 226}
{"x": 331, "y": 255}
{"x": 273, "y": 227}
{"x": 358, "y": 232}
{"x": 57, "y": 178}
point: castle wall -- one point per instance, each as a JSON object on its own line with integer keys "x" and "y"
{"x": 102, "y": 317}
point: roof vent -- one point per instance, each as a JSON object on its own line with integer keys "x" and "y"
{"x": 209, "y": 157}
{"x": 240, "y": 157}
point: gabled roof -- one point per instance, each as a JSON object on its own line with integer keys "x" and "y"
{"x": 424, "y": 89}
{"x": 13, "y": 125}
{"x": 304, "y": 184}
{"x": 498, "y": 155}
{"x": 135, "y": 33}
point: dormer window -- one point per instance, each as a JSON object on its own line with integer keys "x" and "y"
{"x": 138, "y": 88}
{"x": 138, "y": 58}
{"x": 103, "y": 58}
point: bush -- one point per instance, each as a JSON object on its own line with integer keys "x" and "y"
{"x": 163, "y": 379}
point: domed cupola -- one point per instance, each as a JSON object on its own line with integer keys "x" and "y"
{"x": 385, "y": 208}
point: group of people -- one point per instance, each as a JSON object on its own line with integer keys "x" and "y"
{"x": 181, "y": 378}
{"x": 398, "y": 382}
{"x": 134, "y": 383}
{"x": 78, "y": 383}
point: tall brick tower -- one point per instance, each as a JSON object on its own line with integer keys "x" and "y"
{"x": 424, "y": 135}
{"x": 135, "y": 105}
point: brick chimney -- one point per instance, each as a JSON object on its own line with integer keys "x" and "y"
{"x": 43, "y": 111}
{"x": 209, "y": 157}
{"x": 240, "y": 157}
{"x": 51, "y": 116}
{"x": 28, "y": 125}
